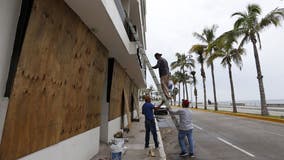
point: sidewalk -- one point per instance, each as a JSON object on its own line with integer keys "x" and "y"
{"x": 135, "y": 145}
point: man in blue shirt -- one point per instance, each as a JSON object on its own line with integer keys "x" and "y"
{"x": 147, "y": 110}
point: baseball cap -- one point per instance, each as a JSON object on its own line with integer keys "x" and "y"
{"x": 158, "y": 54}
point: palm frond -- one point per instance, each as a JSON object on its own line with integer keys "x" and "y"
{"x": 197, "y": 48}
{"x": 190, "y": 63}
{"x": 214, "y": 56}
{"x": 224, "y": 62}
{"x": 240, "y": 14}
{"x": 214, "y": 28}
{"x": 209, "y": 33}
{"x": 274, "y": 17}
{"x": 253, "y": 9}
{"x": 245, "y": 39}
{"x": 174, "y": 65}
{"x": 236, "y": 55}
{"x": 199, "y": 37}
{"x": 237, "y": 59}
{"x": 239, "y": 22}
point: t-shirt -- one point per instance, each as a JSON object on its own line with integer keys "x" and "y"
{"x": 185, "y": 118}
{"x": 147, "y": 110}
{"x": 163, "y": 66}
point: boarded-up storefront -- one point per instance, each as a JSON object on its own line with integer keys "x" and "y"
{"x": 57, "y": 89}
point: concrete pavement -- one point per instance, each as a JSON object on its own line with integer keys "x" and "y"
{"x": 135, "y": 145}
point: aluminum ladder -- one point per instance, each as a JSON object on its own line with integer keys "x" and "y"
{"x": 158, "y": 85}
{"x": 148, "y": 64}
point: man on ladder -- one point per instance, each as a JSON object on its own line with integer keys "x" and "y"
{"x": 163, "y": 64}
{"x": 164, "y": 73}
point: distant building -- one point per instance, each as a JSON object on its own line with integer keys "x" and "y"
{"x": 69, "y": 75}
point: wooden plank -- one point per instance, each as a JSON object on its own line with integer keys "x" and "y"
{"x": 59, "y": 81}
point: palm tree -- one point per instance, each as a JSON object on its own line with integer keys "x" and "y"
{"x": 150, "y": 90}
{"x": 194, "y": 83}
{"x": 229, "y": 54}
{"x": 249, "y": 26}
{"x": 207, "y": 36}
{"x": 178, "y": 76}
{"x": 190, "y": 59}
{"x": 200, "y": 51}
{"x": 183, "y": 62}
{"x": 175, "y": 90}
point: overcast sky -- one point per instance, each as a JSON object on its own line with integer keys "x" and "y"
{"x": 170, "y": 24}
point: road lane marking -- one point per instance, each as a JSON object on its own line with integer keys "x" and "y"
{"x": 236, "y": 147}
{"x": 196, "y": 126}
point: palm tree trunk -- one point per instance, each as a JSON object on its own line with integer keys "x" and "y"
{"x": 191, "y": 97}
{"x": 214, "y": 87}
{"x": 195, "y": 93}
{"x": 204, "y": 87}
{"x": 179, "y": 94}
{"x": 186, "y": 91}
{"x": 183, "y": 90}
{"x": 185, "y": 94}
{"x": 264, "y": 110}
{"x": 195, "y": 90}
{"x": 232, "y": 89}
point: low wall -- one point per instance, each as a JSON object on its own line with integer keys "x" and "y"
{"x": 82, "y": 146}
{"x": 275, "y": 105}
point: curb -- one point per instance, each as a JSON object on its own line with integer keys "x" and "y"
{"x": 245, "y": 115}
{"x": 161, "y": 146}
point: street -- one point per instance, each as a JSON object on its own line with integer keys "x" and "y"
{"x": 223, "y": 137}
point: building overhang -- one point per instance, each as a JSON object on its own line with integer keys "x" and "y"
{"x": 103, "y": 19}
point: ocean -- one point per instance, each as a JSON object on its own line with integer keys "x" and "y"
{"x": 254, "y": 102}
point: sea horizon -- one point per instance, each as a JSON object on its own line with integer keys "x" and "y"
{"x": 254, "y": 102}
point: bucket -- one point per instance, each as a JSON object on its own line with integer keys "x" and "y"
{"x": 115, "y": 155}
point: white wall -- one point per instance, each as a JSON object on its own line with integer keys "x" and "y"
{"x": 135, "y": 113}
{"x": 81, "y": 147}
{"x": 9, "y": 14}
{"x": 3, "y": 111}
{"x": 104, "y": 114}
{"x": 114, "y": 126}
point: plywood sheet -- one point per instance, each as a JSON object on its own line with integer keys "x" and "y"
{"x": 57, "y": 90}
{"x": 122, "y": 84}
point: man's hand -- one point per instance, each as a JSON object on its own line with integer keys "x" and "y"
{"x": 163, "y": 101}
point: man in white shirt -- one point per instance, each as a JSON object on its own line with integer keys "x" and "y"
{"x": 185, "y": 128}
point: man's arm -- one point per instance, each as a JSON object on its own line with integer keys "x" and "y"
{"x": 159, "y": 106}
{"x": 157, "y": 65}
{"x": 176, "y": 112}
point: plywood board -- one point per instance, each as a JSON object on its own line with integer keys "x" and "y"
{"x": 57, "y": 90}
